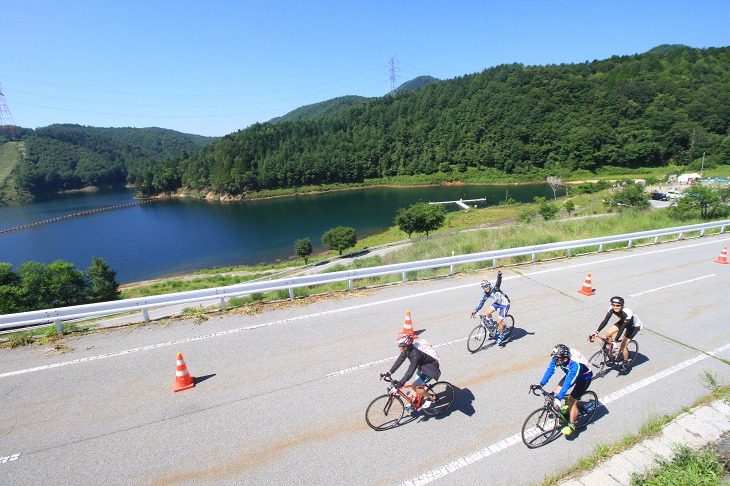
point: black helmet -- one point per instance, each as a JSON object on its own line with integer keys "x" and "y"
{"x": 617, "y": 300}
{"x": 560, "y": 351}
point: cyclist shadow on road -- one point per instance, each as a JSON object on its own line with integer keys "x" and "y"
{"x": 638, "y": 361}
{"x": 601, "y": 412}
{"x": 463, "y": 402}
{"x": 517, "y": 333}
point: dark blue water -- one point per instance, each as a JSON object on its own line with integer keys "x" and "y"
{"x": 176, "y": 236}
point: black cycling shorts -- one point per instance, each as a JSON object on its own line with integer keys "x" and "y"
{"x": 578, "y": 389}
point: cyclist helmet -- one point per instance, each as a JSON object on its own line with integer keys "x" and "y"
{"x": 486, "y": 284}
{"x": 404, "y": 340}
{"x": 617, "y": 300}
{"x": 560, "y": 351}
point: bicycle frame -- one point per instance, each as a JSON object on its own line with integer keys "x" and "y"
{"x": 607, "y": 349}
{"x": 490, "y": 327}
{"x": 409, "y": 398}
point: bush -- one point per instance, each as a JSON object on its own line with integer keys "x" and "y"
{"x": 340, "y": 238}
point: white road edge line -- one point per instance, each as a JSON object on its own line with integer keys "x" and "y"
{"x": 672, "y": 285}
{"x": 487, "y": 451}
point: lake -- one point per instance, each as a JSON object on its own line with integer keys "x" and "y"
{"x": 176, "y": 236}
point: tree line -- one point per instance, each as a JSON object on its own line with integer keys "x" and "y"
{"x": 511, "y": 122}
{"x": 62, "y": 157}
{"x": 36, "y": 286}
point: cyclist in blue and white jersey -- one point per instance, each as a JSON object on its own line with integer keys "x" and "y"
{"x": 501, "y": 303}
{"x": 578, "y": 376}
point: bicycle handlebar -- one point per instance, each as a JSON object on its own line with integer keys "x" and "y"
{"x": 542, "y": 391}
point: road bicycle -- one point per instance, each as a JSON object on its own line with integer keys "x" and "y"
{"x": 488, "y": 327}
{"x": 611, "y": 355}
{"x": 544, "y": 424}
{"x": 386, "y": 411}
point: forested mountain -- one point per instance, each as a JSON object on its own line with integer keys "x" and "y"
{"x": 514, "y": 122}
{"x": 416, "y": 83}
{"x": 62, "y": 157}
{"x": 317, "y": 110}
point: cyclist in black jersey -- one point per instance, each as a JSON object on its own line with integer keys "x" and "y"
{"x": 627, "y": 321}
{"x": 425, "y": 366}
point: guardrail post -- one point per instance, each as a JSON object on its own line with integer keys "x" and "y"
{"x": 59, "y": 326}
{"x": 656, "y": 240}
{"x": 404, "y": 277}
{"x": 223, "y": 303}
{"x": 452, "y": 265}
{"x": 570, "y": 252}
{"x": 494, "y": 263}
{"x": 722, "y": 229}
{"x": 291, "y": 294}
{"x": 681, "y": 236}
{"x": 145, "y": 315}
{"x": 351, "y": 282}
{"x": 630, "y": 244}
{"x": 702, "y": 233}
{"x": 534, "y": 257}
{"x": 600, "y": 248}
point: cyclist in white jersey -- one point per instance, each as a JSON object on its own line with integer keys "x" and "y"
{"x": 627, "y": 321}
{"x": 501, "y": 303}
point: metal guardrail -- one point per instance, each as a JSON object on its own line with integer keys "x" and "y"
{"x": 57, "y": 316}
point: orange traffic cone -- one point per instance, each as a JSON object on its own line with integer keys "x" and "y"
{"x": 723, "y": 256}
{"x": 587, "y": 286}
{"x": 408, "y": 326}
{"x": 183, "y": 380}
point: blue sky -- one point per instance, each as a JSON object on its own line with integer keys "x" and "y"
{"x": 214, "y": 67}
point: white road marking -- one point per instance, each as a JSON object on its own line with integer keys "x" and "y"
{"x": 487, "y": 451}
{"x": 373, "y": 363}
{"x": 672, "y": 285}
{"x": 12, "y": 458}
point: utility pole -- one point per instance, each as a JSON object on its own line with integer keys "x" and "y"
{"x": 393, "y": 75}
{"x": 6, "y": 119}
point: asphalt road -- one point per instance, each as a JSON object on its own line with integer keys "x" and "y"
{"x": 280, "y": 397}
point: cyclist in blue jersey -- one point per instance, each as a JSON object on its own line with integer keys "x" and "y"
{"x": 578, "y": 376}
{"x": 501, "y": 303}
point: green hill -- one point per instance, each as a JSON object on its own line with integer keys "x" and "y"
{"x": 63, "y": 157}
{"x": 310, "y": 112}
{"x": 9, "y": 157}
{"x": 416, "y": 83}
{"x": 507, "y": 123}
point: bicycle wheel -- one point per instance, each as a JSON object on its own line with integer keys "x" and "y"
{"x": 476, "y": 339}
{"x": 597, "y": 362}
{"x": 509, "y": 324}
{"x": 384, "y": 412}
{"x": 540, "y": 427}
{"x": 587, "y": 407}
{"x": 445, "y": 394}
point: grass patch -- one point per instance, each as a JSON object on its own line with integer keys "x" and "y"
{"x": 648, "y": 430}
{"x": 39, "y": 336}
{"x": 687, "y": 467}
